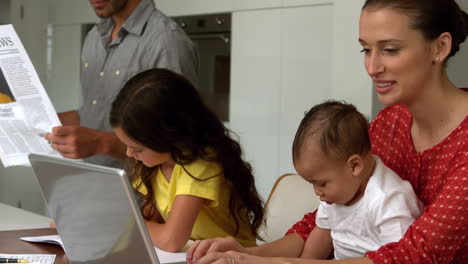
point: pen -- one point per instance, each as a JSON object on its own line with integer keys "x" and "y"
{"x": 10, "y": 260}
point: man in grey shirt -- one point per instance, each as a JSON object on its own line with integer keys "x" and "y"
{"x": 132, "y": 36}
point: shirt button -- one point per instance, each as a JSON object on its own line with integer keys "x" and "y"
{"x": 117, "y": 72}
{"x": 94, "y": 102}
{"x": 86, "y": 65}
{"x": 101, "y": 74}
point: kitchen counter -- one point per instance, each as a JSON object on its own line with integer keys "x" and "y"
{"x": 12, "y": 218}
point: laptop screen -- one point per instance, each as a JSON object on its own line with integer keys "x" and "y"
{"x": 95, "y": 212}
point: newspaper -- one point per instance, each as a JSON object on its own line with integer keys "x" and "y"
{"x": 26, "y": 112}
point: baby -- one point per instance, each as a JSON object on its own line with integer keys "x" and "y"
{"x": 364, "y": 204}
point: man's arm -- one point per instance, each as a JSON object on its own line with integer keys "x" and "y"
{"x": 77, "y": 142}
{"x": 70, "y": 118}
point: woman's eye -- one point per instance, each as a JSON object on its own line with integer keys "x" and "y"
{"x": 365, "y": 51}
{"x": 391, "y": 51}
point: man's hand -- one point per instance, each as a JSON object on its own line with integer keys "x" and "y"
{"x": 75, "y": 142}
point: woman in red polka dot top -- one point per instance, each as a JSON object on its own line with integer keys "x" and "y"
{"x": 422, "y": 135}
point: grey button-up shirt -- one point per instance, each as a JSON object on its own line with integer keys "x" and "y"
{"x": 148, "y": 39}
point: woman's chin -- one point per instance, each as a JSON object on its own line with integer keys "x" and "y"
{"x": 387, "y": 100}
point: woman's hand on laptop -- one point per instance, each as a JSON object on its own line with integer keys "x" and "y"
{"x": 52, "y": 224}
{"x": 202, "y": 247}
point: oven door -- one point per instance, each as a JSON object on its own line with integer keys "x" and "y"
{"x": 214, "y": 71}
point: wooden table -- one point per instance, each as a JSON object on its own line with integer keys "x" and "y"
{"x": 11, "y": 244}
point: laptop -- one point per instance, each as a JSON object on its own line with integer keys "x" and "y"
{"x": 95, "y": 212}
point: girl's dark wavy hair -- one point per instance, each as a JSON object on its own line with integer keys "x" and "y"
{"x": 431, "y": 17}
{"x": 162, "y": 111}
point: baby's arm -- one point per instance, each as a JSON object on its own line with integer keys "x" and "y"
{"x": 318, "y": 245}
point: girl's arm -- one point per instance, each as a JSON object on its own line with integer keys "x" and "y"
{"x": 175, "y": 232}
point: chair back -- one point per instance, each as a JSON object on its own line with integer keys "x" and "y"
{"x": 290, "y": 199}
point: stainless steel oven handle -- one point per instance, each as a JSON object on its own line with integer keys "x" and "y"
{"x": 223, "y": 37}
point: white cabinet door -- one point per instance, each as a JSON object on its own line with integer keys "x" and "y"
{"x": 290, "y": 3}
{"x": 281, "y": 66}
{"x": 256, "y": 4}
{"x": 18, "y": 185}
{"x": 255, "y": 90}
{"x": 63, "y": 84}
{"x": 306, "y": 38}
{"x": 350, "y": 81}
{"x": 193, "y": 7}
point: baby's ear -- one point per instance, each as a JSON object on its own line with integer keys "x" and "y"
{"x": 356, "y": 164}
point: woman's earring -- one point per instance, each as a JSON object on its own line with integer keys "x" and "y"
{"x": 437, "y": 59}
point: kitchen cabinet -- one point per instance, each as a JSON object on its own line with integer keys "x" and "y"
{"x": 281, "y": 66}
{"x": 196, "y": 7}
{"x": 291, "y": 3}
{"x": 256, "y": 4}
{"x": 5, "y": 12}
{"x": 64, "y": 66}
{"x": 306, "y": 37}
{"x": 193, "y": 7}
{"x": 18, "y": 186}
{"x": 350, "y": 81}
{"x": 255, "y": 89}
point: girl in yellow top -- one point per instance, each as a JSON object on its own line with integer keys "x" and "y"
{"x": 189, "y": 169}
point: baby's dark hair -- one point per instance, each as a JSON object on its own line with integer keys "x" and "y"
{"x": 339, "y": 129}
{"x": 431, "y": 17}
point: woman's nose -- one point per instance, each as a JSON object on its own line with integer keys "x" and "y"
{"x": 374, "y": 65}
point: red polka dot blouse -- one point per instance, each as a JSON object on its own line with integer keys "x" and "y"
{"x": 439, "y": 176}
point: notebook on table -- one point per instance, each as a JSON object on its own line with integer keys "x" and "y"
{"x": 95, "y": 212}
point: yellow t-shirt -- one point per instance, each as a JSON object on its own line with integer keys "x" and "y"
{"x": 214, "y": 219}
{"x": 5, "y": 99}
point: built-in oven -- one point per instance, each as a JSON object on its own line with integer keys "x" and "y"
{"x": 212, "y": 35}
